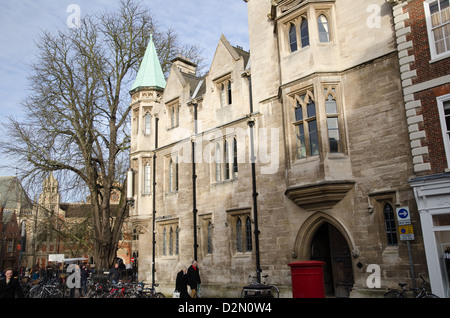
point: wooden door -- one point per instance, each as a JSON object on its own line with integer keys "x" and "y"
{"x": 330, "y": 246}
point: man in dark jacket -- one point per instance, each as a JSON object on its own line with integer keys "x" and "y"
{"x": 194, "y": 278}
{"x": 9, "y": 286}
{"x": 181, "y": 283}
{"x": 115, "y": 274}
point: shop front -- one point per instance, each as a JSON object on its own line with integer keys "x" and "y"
{"x": 432, "y": 194}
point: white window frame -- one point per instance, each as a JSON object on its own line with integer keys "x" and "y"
{"x": 432, "y": 43}
{"x": 147, "y": 124}
{"x": 445, "y": 134}
{"x": 147, "y": 179}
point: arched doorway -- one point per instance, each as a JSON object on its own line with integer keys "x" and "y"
{"x": 330, "y": 246}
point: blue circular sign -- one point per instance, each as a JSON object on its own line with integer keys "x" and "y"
{"x": 403, "y": 213}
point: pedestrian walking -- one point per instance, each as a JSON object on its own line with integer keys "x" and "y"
{"x": 181, "y": 283}
{"x": 194, "y": 281}
{"x": 10, "y": 286}
{"x": 84, "y": 278}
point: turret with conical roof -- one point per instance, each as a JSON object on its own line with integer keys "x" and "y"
{"x": 150, "y": 74}
{"x": 146, "y": 94}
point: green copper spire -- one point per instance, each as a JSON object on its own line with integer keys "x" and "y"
{"x": 150, "y": 74}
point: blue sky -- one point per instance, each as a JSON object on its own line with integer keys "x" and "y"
{"x": 21, "y": 22}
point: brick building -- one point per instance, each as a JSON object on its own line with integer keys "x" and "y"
{"x": 423, "y": 39}
{"x": 15, "y": 207}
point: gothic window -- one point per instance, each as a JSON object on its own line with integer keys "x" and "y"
{"x": 332, "y": 112}
{"x": 148, "y": 124}
{"x": 173, "y": 175}
{"x": 293, "y": 38}
{"x": 147, "y": 179}
{"x": 226, "y": 94}
{"x": 222, "y": 95}
{"x": 324, "y": 32}
{"x": 136, "y": 121}
{"x": 248, "y": 234}
{"x": 389, "y": 225}
{"x": 304, "y": 33}
{"x": 239, "y": 247}
{"x": 177, "y": 240}
{"x": 226, "y": 160}
{"x": 437, "y": 14}
{"x": 171, "y": 241}
{"x": 174, "y": 115}
{"x": 230, "y": 95}
{"x": 218, "y": 161}
{"x": 235, "y": 158}
{"x": 164, "y": 242}
{"x": 209, "y": 238}
{"x": 243, "y": 233}
{"x": 306, "y": 126}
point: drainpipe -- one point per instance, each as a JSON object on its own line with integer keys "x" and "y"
{"x": 251, "y": 124}
{"x": 154, "y": 204}
{"x": 194, "y": 183}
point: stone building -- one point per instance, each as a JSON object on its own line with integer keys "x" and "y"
{"x": 423, "y": 37}
{"x": 317, "y": 113}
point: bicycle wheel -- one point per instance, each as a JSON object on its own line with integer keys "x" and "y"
{"x": 159, "y": 295}
{"x": 430, "y": 296}
{"x": 274, "y": 291}
{"x": 393, "y": 294}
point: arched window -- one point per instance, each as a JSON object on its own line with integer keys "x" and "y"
{"x": 148, "y": 124}
{"x": 239, "y": 235}
{"x": 304, "y": 33}
{"x": 173, "y": 175}
{"x": 177, "y": 240}
{"x": 333, "y": 124}
{"x": 226, "y": 160}
{"x": 218, "y": 161}
{"x": 235, "y": 158}
{"x": 293, "y": 38}
{"x": 248, "y": 235}
{"x": 230, "y": 95}
{"x": 222, "y": 95}
{"x": 164, "y": 242}
{"x": 210, "y": 245}
{"x": 170, "y": 242}
{"x": 389, "y": 225}
{"x": 324, "y": 31}
{"x": 147, "y": 179}
{"x": 306, "y": 126}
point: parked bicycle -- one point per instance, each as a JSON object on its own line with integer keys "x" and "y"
{"x": 48, "y": 289}
{"x": 260, "y": 290}
{"x": 149, "y": 292}
{"x": 406, "y": 292}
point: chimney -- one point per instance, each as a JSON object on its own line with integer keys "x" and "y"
{"x": 184, "y": 65}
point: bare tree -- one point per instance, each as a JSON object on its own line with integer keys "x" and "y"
{"x": 77, "y": 114}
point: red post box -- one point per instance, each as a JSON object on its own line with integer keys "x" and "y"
{"x": 307, "y": 279}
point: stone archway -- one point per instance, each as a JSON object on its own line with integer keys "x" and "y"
{"x": 324, "y": 238}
